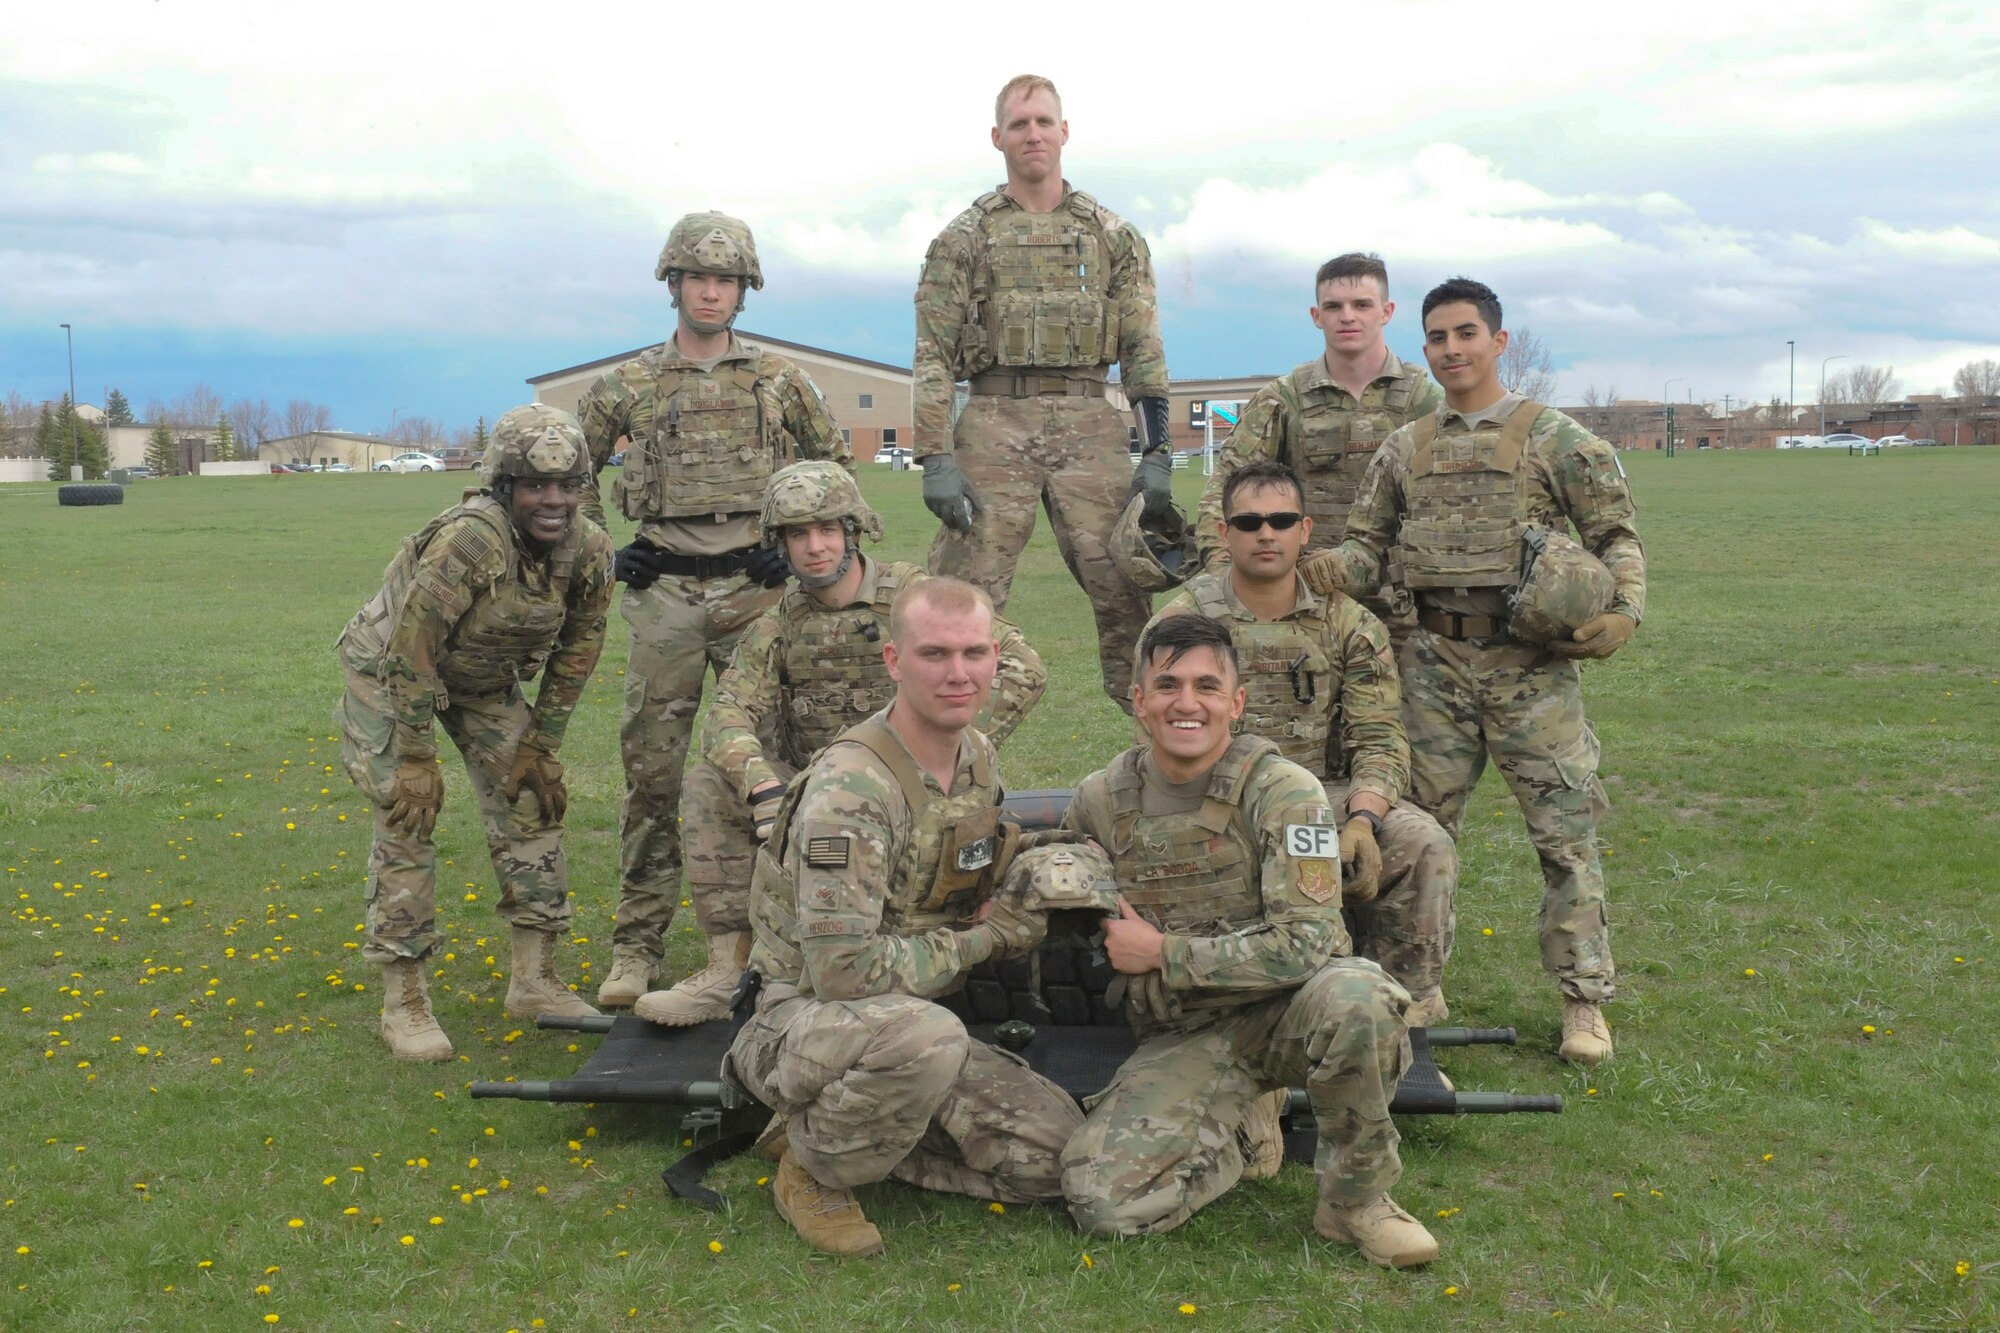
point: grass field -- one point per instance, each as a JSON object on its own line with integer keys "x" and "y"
{"x": 204, "y": 1131}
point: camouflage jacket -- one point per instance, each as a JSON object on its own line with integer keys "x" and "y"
{"x": 957, "y": 268}
{"x": 759, "y": 685}
{"x": 1356, "y": 700}
{"x": 622, "y": 406}
{"x": 1284, "y": 814}
{"x": 1273, "y": 426}
{"x": 443, "y": 581}
{"x": 1568, "y": 476}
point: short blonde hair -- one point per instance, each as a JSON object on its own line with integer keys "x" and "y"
{"x": 941, "y": 593}
{"x": 1023, "y": 85}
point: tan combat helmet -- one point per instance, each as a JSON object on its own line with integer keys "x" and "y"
{"x": 817, "y": 491}
{"x": 1562, "y": 586}
{"x": 1063, "y": 877}
{"x": 711, "y": 243}
{"x": 1153, "y": 556}
{"x": 535, "y": 441}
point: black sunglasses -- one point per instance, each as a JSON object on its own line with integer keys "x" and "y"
{"x": 1251, "y": 522}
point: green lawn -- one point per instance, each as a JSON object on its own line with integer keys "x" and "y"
{"x": 1799, "y": 1129}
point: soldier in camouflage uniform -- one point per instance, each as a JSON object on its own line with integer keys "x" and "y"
{"x": 506, "y": 583}
{"x": 810, "y": 668}
{"x": 1453, "y": 498}
{"x": 1236, "y": 969}
{"x": 862, "y": 907}
{"x": 705, "y": 419}
{"x": 1328, "y": 417}
{"x": 1029, "y": 296}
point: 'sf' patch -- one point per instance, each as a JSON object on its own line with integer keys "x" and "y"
{"x": 828, "y": 853}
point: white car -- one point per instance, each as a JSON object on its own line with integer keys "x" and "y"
{"x": 895, "y": 453}
{"x": 412, "y": 462}
{"x": 338, "y": 467}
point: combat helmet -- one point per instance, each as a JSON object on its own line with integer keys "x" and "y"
{"x": 1070, "y": 876}
{"x": 535, "y": 441}
{"x": 711, "y": 243}
{"x": 817, "y": 491}
{"x": 1562, "y": 585}
{"x": 1154, "y": 555}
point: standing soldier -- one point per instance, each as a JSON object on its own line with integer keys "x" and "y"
{"x": 705, "y": 419}
{"x": 810, "y": 668}
{"x": 860, "y": 907}
{"x": 1474, "y": 502}
{"x": 1235, "y": 968}
{"x": 1029, "y": 296}
{"x": 1327, "y": 418}
{"x": 506, "y": 583}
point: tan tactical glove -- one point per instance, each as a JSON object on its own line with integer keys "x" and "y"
{"x": 541, "y": 773}
{"x": 1014, "y": 929}
{"x": 1143, "y": 998}
{"x": 1360, "y": 861}
{"x": 764, "y": 804}
{"x": 1600, "y": 636}
{"x": 1324, "y": 572}
{"x": 415, "y": 798}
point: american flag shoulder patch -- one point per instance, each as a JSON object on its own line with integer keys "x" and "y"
{"x": 828, "y": 853}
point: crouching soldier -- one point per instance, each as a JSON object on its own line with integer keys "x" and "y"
{"x": 508, "y": 583}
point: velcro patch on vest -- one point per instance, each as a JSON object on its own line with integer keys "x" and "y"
{"x": 1319, "y": 880}
{"x": 832, "y": 928}
{"x": 828, "y": 853}
{"x": 1312, "y": 840}
{"x": 977, "y": 855}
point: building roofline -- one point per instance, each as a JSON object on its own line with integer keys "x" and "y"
{"x": 759, "y": 338}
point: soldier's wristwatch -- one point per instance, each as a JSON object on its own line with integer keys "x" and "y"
{"x": 1374, "y": 820}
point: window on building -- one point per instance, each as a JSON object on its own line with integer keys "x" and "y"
{"x": 846, "y": 435}
{"x": 868, "y": 400}
{"x": 889, "y": 435}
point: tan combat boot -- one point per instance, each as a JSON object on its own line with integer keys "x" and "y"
{"x": 1263, "y": 1135}
{"x": 534, "y": 988}
{"x": 1586, "y": 1036}
{"x": 1383, "y": 1232}
{"x": 631, "y": 976}
{"x": 408, "y": 1025}
{"x": 705, "y": 996}
{"x": 827, "y": 1219}
{"x": 1427, "y": 1011}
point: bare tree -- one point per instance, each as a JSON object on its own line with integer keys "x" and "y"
{"x": 416, "y": 431}
{"x": 1526, "y": 367}
{"x": 254, "y": 423}
{"x": 17, "y": 426}
{"x": 305, "y": 421}
{"x": 197, "y": 409}
{"x": 1600, "y": 410}
{"x": 1862, "y": 386}
{"x": 1977, "y": 379}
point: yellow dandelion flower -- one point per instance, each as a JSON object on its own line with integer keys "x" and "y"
{"x": 1486, "y": 930}
{"x": 408, "y": 1240}
{"x": 996, "y": 1207}
{"x": 1749, "y": 971}
{"x": 206, "y": 1263}
{"x": 1867, "y": 1029}
{"x": 1451, "y": 1291}
{"x": 296, "y": 1223}
{"x": 437, "y": 1221}
{"x": 263, "y": 1289}
{"x": 1088, "y": 1262}
{"x": 350, "y": 1212}
{"x": 1187, "y": 1307}
{"x": 715, "y": 1247}
{"x": 953, "y": 1286}
{"x": 1962, "y": 1268}
{"x": 270, "y": 1319}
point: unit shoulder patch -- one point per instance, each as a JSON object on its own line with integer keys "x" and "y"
{"x": 1319, "y": 880}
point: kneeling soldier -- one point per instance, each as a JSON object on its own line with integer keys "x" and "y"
{"x": 862, "y": 912}
{"x": 508, "y": 582}
{"x": 1235, "y": 969}
{"x": 807, "y": 670}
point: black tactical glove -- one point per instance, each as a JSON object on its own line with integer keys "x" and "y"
{"x": 767, "y": 566}
{"x": 1155, "y": 475}
{"x": 639, "y": 565}
{"x": 947, "y": 493}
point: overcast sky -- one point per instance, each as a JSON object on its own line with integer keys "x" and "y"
{"x": 411, "y": 208}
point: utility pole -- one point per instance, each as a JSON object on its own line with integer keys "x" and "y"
{"x": 1822, "y": 391}
{"x": 1725, "y": 421}
{"x": 75, "y": 461}
{"x": 1792, "y": 391}
{"x": 1667, "y": 410}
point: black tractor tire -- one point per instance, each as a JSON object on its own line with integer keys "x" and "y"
{"x": 91, "y": 493}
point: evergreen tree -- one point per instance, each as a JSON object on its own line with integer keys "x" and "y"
{"x": 479, "y": 437}
{"x": 162, "y": 454}
{"x": 53, "y": 435}
{"x": 53, "y": 443}
{"x": 92, "y": 450}
{"x": 117, "y": 412}
{"x": 224, "y": 448}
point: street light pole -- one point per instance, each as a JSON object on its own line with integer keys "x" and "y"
{"x": 1822, "y": 392}
{"x": 75, "y": 463}
{"x": 1667, "y": 413}
{"x": 1792, "y": 389}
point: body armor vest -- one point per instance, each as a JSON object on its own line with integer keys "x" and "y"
{"x": 1466, "y": 515}
{"x": 832, "y": 674}
{"x": 511, "y": 627}
{"x": 1291, "y": 686}
{"x": 703, "y": 442}
{"x": 1191, "y": 874}
{"x": 953, "y": 840}
{"x": 1041, "y": 289}
{"x": 1336, "y": 444}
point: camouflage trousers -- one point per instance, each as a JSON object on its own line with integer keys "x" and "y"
{"x": 722, "y": 846}
{"x": 682, "y": 628}
{"x": 1069, "y": 455}
{"x": 1163, "y": 1141}
{"x": 1409, "y": 926}
{"x": 1523, "y": 706}
{"x": 891, "y": 1086}
{"x": 526, "y": 849}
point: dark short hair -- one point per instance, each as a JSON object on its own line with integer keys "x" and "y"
{"x": 1254, "y": 476}
{"x": 1353, "y": 264}
{"x": 1465, "y": 289}
{"x": 1178, "y": 635}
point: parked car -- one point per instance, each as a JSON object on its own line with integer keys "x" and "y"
{"x": 138, "y": 471}
{"x": 1924, "y": 444}
{"x": 894, "y": 454}
{"x": 283, "y": 469}
{"x": 338, "y": 467}
{"x": 412, "y": 462}
{"x": 458, "y": 457}
{"x": 1845, "y": 440}
{"x": 1893, "y": 441}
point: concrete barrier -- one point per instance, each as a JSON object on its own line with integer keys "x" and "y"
{"x": 252, "y": 468}
{"x": 24, "y": 469}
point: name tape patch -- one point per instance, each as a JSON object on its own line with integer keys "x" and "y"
{"x": 828, "y": 853}
{"x": 1318, "y": 840}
